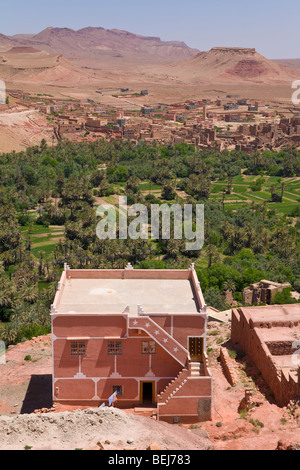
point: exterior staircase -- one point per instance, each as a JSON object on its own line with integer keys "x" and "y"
{"x": 187, "y": 377}
{"x": 197, "y": 369}
{"x": 160, "y": 336}
{"x": 173, "y": 386}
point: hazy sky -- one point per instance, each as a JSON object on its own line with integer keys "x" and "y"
{"x": 271, "y": 26}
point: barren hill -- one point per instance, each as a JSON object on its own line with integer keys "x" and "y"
{"x": 100, "y": 43}
{"x": 23, "y": 50}
{"x": 229, "y": 65}
{"x": 22, "y": 128}
{"x": 292, "y": 63}
{"x": 65, "y": 62}
{"x": 27, "y": 65}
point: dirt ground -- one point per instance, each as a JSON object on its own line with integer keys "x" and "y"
{"x": 25, "y": 385}
{"x": 231, "y": 431}
{"x": 113, "y": 428}
{"x": 21, "y": 128}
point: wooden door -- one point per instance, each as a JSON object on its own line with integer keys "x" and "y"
{"x": 196, "y": 349}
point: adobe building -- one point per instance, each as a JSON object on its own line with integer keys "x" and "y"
{"x": 270, "y": 337}
{"x": 140, "y": 333}
{"x": 263, "y": 292}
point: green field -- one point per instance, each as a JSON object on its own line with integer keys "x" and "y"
{"x": 241, "y": 192}
{"x": 43, "y": 239}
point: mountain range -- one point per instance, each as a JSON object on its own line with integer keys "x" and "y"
{"x": 92, "y": 58}
{"x": 101, "y": 44}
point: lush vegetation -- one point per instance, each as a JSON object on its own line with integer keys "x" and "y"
{"x": 48, "y": 199}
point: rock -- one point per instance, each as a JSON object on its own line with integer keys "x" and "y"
{"x": 95, "y": 448}
{"x": 107, "y": 442}
{"x": 153, "y": 446}
{"x": 100, "y": 446}
{"x": 130, "y": 441}
{"x": 283, "y": 444}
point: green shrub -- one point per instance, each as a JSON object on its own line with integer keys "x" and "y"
{"x": 213, "y": 333}
{"x": 232, "y": 354}
{"x": 243, "y": 414}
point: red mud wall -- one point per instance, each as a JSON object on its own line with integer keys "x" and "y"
{"x": 99, "y": 370}
{"x": 192, "y": 403}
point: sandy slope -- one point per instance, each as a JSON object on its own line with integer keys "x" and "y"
{"x": 218, "y": 72}
{"x": 83, "y": 429}
{"x": 230, "y": 65}
{"x": 23, "y": 128}
{"x": 42, "y": 69}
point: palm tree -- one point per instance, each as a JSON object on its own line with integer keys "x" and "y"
{"x": 229, "y": 184}
{"x": 212, "y": 252}
{"x": 229, "y": 285}
{"x": 28, "y": 294}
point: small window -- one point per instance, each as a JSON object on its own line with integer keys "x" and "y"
{"x": 118, "y": 389}
{"x": 114, "y": 348}
{"x": 148, "y": 347}
{"x": 78, "y": 348}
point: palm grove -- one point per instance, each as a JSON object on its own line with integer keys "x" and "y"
{"x": 59, "y": 186}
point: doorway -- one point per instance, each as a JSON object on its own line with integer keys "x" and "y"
{"x": 147, "y": 393}
{"x": 196, "y": 349}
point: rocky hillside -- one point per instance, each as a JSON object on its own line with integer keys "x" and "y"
{"x": 100, "y": 43}
{"x": 231, "y": 65}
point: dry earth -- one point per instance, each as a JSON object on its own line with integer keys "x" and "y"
{"x": 171, "y": 72}
{"x": 25, "y": 385}
{"x": 83, "y": 429}
{"x": 228, "y": 430}
{"x": 22, "y": 128}
{"x": 72, "y": 64}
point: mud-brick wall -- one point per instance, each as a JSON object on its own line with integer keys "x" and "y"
{"x": 252, "y": 344}
{"x": 281, "y": 348}
{"x": 290, "y": 388}
{"x": 228, "y": 367}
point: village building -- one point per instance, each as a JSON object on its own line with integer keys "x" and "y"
{"x": 270, "y": 337}
{"x": 138, "y": 333}
{"x": 262, "y": 292}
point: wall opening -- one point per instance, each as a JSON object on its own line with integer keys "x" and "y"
{"x": 147, "y": 393}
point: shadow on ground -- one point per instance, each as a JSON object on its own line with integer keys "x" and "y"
{"x": 38, "y": 395}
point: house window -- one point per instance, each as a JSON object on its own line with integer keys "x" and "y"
{"x": 78, "y": 348}
{"x": 114, "y": 348}
{"x": 118, "y": 389}
{"x": 148, "y": 347}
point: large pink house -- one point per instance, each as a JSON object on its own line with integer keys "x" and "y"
{"x": 140, "y": 334}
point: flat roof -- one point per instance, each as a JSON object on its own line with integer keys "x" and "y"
{"x": 278, "y": 334}
{"x": 114, "y": 295}
{"x": 269, "y": 313}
